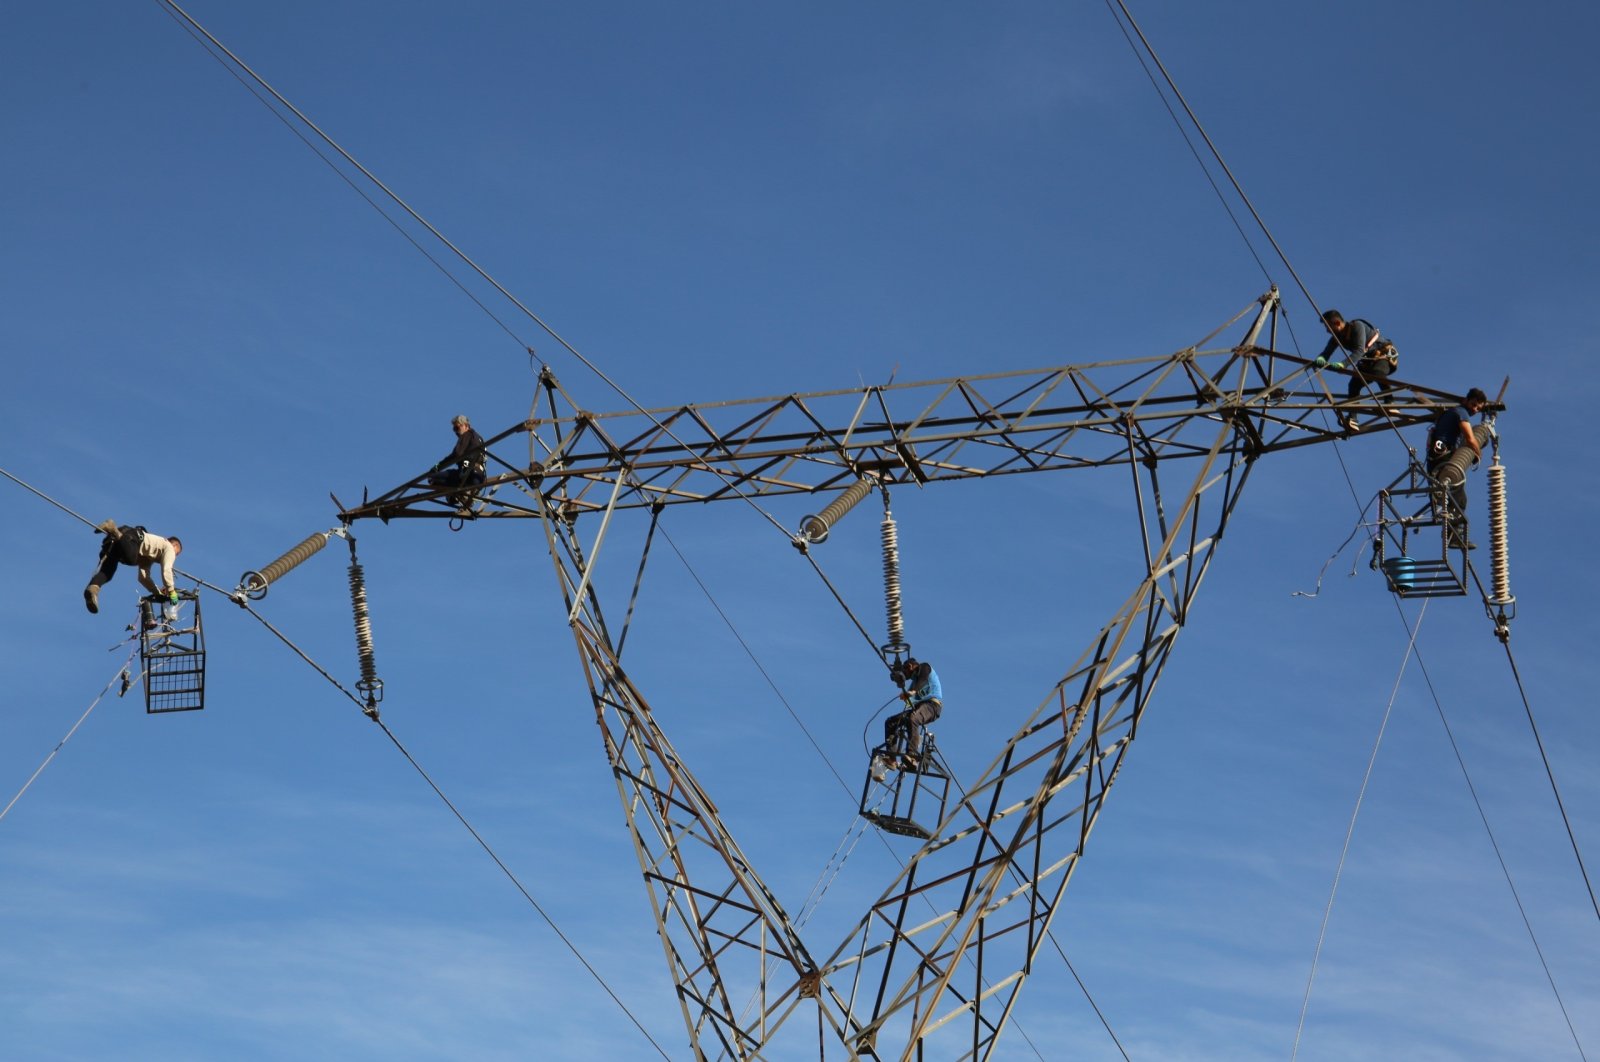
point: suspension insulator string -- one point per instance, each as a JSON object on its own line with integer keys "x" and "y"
{"x": 370, "y": 684}
{"x": 814, "y": 529}
{"x": 1499, "y": 551}
{"x": 254, "y": 584}
{"x": 891, "y": 583}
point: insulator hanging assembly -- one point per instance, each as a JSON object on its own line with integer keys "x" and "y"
{"x": 1502, "y": 606}
{"x": 254, "y": 584}
{"x": 370, "y": 684}
{"x": 814, "y": 529}
{"x": 1499, "y": 552}
{"x": 891, "y": 583}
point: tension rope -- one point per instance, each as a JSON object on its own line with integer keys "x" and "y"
{"x": 461, "y": 818}
{"x": 1494, "y": 843}
{"x": 1355, "y": 812}
{"x": 1555, "y": 791}
{"x": 1413, "y": 651}
{"x": 120, "y": 675}
{"x": 262, "y": 90}
{"x": 30, "y": 487}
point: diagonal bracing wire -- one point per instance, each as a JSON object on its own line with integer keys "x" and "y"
{"x": 258, "y": 85}
{"x": 1125, "y": 23}
{"x": 1550, "y": 773}
{"x": 461, "y": 255}
{"x": 1499, "y": 856}
{"x": 121, "y": 671}
{"x": 1494, "y": 843}
{"x": 1355, "y": 812}
{"x": 1177, "y": 122}
{"x": 476, "y": 836}
{"x": 1195, "y": 121}
{"x": 28, "y": 486}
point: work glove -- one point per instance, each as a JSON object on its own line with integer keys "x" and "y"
{"x": 1319, "y": 362}
{"x": 170, "y": 597}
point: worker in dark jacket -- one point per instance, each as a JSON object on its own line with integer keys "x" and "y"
{"x": 467, "y": 457}
{"x": 1453, "y": 446}
{"x": 1372, "y": 357}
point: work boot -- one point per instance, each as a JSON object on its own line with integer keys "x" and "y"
{"x": 91, "y": 598}
{"x": 110, "y": 529}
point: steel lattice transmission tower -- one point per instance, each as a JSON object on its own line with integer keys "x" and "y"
{"x": 904, "y": 983}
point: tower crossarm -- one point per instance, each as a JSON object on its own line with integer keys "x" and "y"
{"x": 964, "y": 427}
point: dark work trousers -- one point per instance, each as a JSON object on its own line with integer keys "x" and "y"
{"x": 123, "y": 550}
{"x": 1369, "y": 370}
{"x": 912, "y": 720}
{"x": 457, "y": 477}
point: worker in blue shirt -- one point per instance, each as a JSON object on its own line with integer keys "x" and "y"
{"x": 1373, "y": 356}
{"x": 924, "y": 700}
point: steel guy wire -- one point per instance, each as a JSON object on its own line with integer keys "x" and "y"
{"x": 1494, "y": 844}
{"x": 476, "y": 836}
{"x": 1355, "y": 812}
{"x": 461, "y": 255}
{"x": 121, "y": 671}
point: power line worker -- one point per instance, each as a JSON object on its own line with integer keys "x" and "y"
{"x": 924, "y": 701}
{"x": 467, "y": 457}
{"x": 1453, "y": 444}
{"x": 1374, "y": 357}
{"x": 134, "y": 546}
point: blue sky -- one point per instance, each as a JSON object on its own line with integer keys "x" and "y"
{"x": 206, "y": 332}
